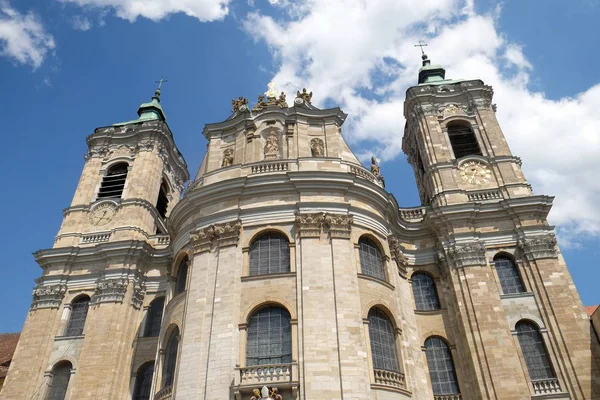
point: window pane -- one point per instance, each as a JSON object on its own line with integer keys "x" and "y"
{"x": 534, "y": 351}
{"x": 168, "y": 373}
{"x": 60, "y": 382}
{"x": 143, "y": 382}
{"x": 426, "y": 298}
{"x": 270, "y": 254}
{"x": 79, "y": 310}
{"x": 383, "y": 341}
{"x": 371, "y": 261}
{"x": 269, "y": 337}
{"x": 441, "y": 367}
{"x": 509, "y": 277}
{"x": 181, "y": 276}
{"x": 154, "y": 317}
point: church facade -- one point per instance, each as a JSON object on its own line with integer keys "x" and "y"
{"x": 285, "y": 270}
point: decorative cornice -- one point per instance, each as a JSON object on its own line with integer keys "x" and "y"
{"x": 48, "y": 296}
{"x": 225, "y": 234}
{"x": 468, "y": 254}
{"x": 309, "y": 225}
{"x": 398, "y": 256}
{"x": 110, "y": 290}
{"x": 539, "y": 246}
{"x": 340, "y": 225}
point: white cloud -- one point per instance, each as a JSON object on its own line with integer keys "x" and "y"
{"x": 360, "y": 55}
{"x": 203, "y": 10}
{"x": 23, "y": 37}
{"x": 81, "y": 23}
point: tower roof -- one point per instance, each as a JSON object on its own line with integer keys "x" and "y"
{"x": 429, "y": 74}
{"x": 149, "y": 111}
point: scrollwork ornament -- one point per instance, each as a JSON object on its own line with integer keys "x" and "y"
{"x": 398, "y": 256}
{"x": 139, "y": 290}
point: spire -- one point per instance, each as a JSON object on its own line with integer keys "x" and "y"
{"x": 153, "y": 109}
{"x": 430, "y": 73}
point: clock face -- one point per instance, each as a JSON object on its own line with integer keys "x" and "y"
{"x": 102, "y": 214}
{"x": 475, "y": 172}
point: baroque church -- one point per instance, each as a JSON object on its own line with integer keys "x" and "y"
{"x": 285, "y": 271}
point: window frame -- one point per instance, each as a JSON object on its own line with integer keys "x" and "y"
{"x": 105, "y": 180}
{"x": 502, "y": 276}
{"x": 435, "y": 307}
{"x": 53, "y": 375}
{"x": 150, "y": 329}
{"x": 170, "y": 358}
{"x": 71, "y": 330}
{"x": 139, "y": 382}
{"x": 367, "y": 260}
{"x": 549, "y": 367}
{"x": 286, "y": 354}
{"x": 462, "y": 124}
{"x": 285, "y": 249}
{"x": 181, "y": 282}
{"x": 448, "y": 360}
{"x": 392, "y": 350}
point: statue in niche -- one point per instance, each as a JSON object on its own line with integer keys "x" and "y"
{"x": 227, "y": 158}
{"x": 272, "y": 146}
{"x": 317, "y": 147}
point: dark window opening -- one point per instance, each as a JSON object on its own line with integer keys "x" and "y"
{"x": 79, "y": 310}
{"x": 426, "y": 298}
{"x": 113, "y": 182}
{"x": 143, "y": 382}
{"x": 168, "y": 373}
{"x": 269, "y": 337}
{"x": 371, "y": 260}
{"x": 463, "y": 140}
{"x": 182, "y": 272}
{"x": 508, "y": 275}
{"x": 270, "y": 254}
{"x": 441, "y": 367}
{"x": 61, "y": 374}
{"x": 534, "y": 351}
{"x": 383, "y": 341}
{"x": 154, "y": 317}
{"x": 163, "y": 200}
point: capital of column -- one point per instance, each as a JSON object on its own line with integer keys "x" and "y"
{"x": 468, "y": 254}
{"x": 538, "y": 246}
{"x": 222, "y": 235}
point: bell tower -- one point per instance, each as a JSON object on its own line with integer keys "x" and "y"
{"x": 455, "y": 144}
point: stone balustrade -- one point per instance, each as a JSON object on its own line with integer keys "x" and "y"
{"x": 447, "y": 397}
{"x": 95, "y": 238}
{"x": 546, "y": 386}
{"x": 267, "y": 374}
{"x": 484, "y": 196}
{"x": 160, "y": 240}
{"x": 389, "y": 378}
{"x": 276, "y": 166}
{"x": 165, "y": 393}
{"x": 412, "y": 214}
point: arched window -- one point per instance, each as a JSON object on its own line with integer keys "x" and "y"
{"x": 113, "y": 182}
{"x": 181, "y": 281}
{"x": 463, "y": 140}
{"x": 508, "y": 275}
{"x": 61, "y": 373}
{"x": 79, "y": 310}
{"x": 383, "y": 341}
{"x": 154, "y": 317}
{"x": 426, "y": 298}
{"x": 143, "y": 382}
{"x": 170, "y": 362}
{"x": 371, "y": 261}
{"x": 269, "y": 337}
{"x": 534, "y": 351}
{"x": 270, "y": 254}
{"x": 441, "y": 367}
{"x": 162, "y": 203}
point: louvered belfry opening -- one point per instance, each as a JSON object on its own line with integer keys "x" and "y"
{"x": 163, "y": 201}
{"x": 463, "y": 140}
{"x": 113, "y": 182}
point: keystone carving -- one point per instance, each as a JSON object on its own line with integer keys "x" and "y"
{"x": 48, "y": 296}
{"x": 226, "y": 234}
{"x": 398, "y": 256}
{"x": 340, "y": 225}
{"x": 110, "y": 290}
{"x": 539, "y": 246}
{"x": 468, "y": 254}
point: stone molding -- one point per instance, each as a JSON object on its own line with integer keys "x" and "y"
{"x": 470, "y": 254}
{"x": 48, "y": 296}
{"x": 539, "y": 246}
{"x": 398, "y": 256}
{"x": 225, "y": 234}
{"x": 312, "y": 224}
{"x": 110, "y": 290}
{"x": 340, "y": 225}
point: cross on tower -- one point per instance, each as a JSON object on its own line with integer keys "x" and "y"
{"x": 421, "y": 45}
{"x": 160, "y": 82}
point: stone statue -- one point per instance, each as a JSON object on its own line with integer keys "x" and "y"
{"x": 272, "y": 146}
{"x": 317, "y": 147}
{"x": 227, "y": 158}
{"x": 275, "y": 394}
{"x": 374, "y": 167}
{"x": 236, "y": 105}
{"x": 307, "y": 97}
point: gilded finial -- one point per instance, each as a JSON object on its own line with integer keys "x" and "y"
{"x": 272, "y": 90}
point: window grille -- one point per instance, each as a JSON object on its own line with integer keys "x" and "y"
{"x": 441, "y": 367}
{"x": 113, "y": 182}
{"x": 143, "y": 382}
{"x": 508, "y": 275}
{"x": 269, "y": 337}
{"x": 163, "y": 200}
{"x": 463, "y": 140}
{"x": 79, "y": 310}
{"x": 60, "y": 381}
{"x": 383, "y": 341}
{"x": 270, "y": 254}
{"x": 426, "y": 298}
{"x": 168, "y": 373}
{"x": 182, "y": 272}
{"x": 534, "y": 351}
{"x": 154, "y": 317}
{"x": 371, "y": 261}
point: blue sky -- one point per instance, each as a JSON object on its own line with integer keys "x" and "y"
{"x": 69, "y": 66}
